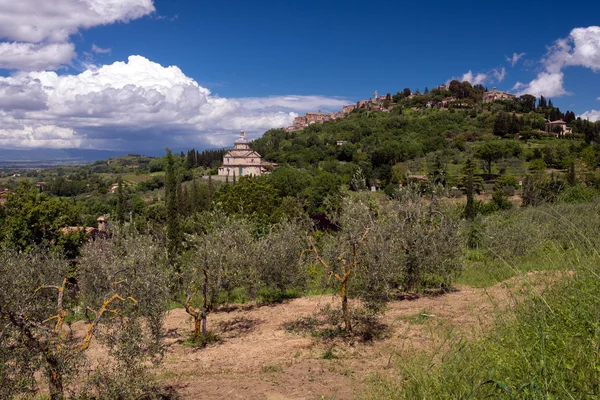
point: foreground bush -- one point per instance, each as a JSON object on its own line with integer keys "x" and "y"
{"x": 118, "y": 292}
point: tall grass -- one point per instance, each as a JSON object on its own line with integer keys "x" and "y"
{"x": 548, "y": 345}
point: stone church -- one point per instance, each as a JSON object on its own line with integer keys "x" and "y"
{"x": 243, "y": 161}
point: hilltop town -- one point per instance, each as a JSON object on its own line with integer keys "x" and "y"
{"x": 443, "y": 99}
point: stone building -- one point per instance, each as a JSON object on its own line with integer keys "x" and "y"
{"x": 559, "y": 128}
{"x": 300, "y": 121}
{"x": 316, "y": 118}
{"x": 92, "y": 233}
{"x": 243, "y": 161}
{"x": 348, "y": 109}
{"x": 496, "y": 95}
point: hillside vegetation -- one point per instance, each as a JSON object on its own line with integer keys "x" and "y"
{"x": 419, "y": 202}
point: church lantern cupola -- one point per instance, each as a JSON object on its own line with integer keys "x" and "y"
{"x": 241, "y": 143}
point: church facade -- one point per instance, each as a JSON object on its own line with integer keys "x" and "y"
{"x": 243, "y": 161}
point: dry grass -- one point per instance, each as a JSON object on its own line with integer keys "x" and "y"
{"x": 258, "y": 359}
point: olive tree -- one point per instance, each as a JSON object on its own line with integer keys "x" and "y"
{"x": 342, "y": 255}
{"x": 32, "y": 314}
{"x": 120, "y": 285}
{"x": 427, "y": 243}
{"x": 130, "y": 272}
{"x": 383, "y": 249}
{"x": 219, "y": 260}
{"x": 280, "y": 257}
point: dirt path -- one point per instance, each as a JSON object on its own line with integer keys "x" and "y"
{"x": 258, "y": 359}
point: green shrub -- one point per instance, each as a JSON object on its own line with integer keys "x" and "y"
{"x": 577, "y": 194}
{"x": 546, "y": 346}
{"x": 537, "y": 165}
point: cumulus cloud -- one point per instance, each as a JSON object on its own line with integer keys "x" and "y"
{"x": 21, "y": 96}
{"x": 545, "y": 84}
{"x": 30, "y": 56}
{"x": 581, "y": 48}
{"x": 37, "y": 32}
{"x": 478, "y": 79}
{"x": 473, "y": 79}
{"x": 134, "y": 105}
{"x": 47, "y": 136}
{"x": 495, "y": 75}
{"x": 55, "y": 20}
{"x": 593, "y": 115}
{"x": 515, "y": 58}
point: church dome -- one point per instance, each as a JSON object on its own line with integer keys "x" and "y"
{"x": 242, "y": 139}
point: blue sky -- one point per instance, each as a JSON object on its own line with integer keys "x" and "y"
{"x": 69, "y": 80}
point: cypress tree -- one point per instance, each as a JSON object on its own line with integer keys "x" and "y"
{"x": 194, "y": 198}
{"x": 120, "y": 201}
{"x": 180, "y": 200}
{"x": 572, "y": 177}
{"x": 173, "y": 233}
{"x": 189, "y": 161}
{"x": 186, "y": 206}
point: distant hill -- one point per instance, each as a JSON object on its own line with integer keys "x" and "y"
{"x": 57, "y": 155}
{"x": 50, "y": 157}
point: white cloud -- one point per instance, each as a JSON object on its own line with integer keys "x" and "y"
{"x": 21, "y": 96}
{"x": 494, "y": 75}
{"x": 545, "y": 84}
{"x": 29, "y": 56}
{"x": 598, "y": 98}
{"x": 47, "y": 136}
{"x": 138, "y": 104}
{"x": 100, "y": 50}
{"x": 586, "y": 50}
{"x": 515, "y": 58}
{"x": 473, "y": 79}
{"x": 499, "y": 74}
{"x": 295, "y": 103}
{"x": 593, "y": 115}
{"x": 37, "y": 32}
{"x": 478, "y": 79}
{"x": 36, "y": 21}
{"x": 581, "y": 48}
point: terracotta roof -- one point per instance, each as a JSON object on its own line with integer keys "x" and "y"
{"x": 242, "y": 153}
{"x": 558, "y": 122}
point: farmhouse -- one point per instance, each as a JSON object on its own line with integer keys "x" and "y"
{"x": 93, "y": 233}
{"x": 558, "y": 127}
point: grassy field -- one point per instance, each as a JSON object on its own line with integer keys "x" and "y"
{"x": 545, "y": 346}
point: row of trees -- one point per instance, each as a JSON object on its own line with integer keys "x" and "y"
{"x": 122, "y": 284}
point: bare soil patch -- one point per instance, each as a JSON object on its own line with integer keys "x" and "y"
{"x": 257, "y": 358}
